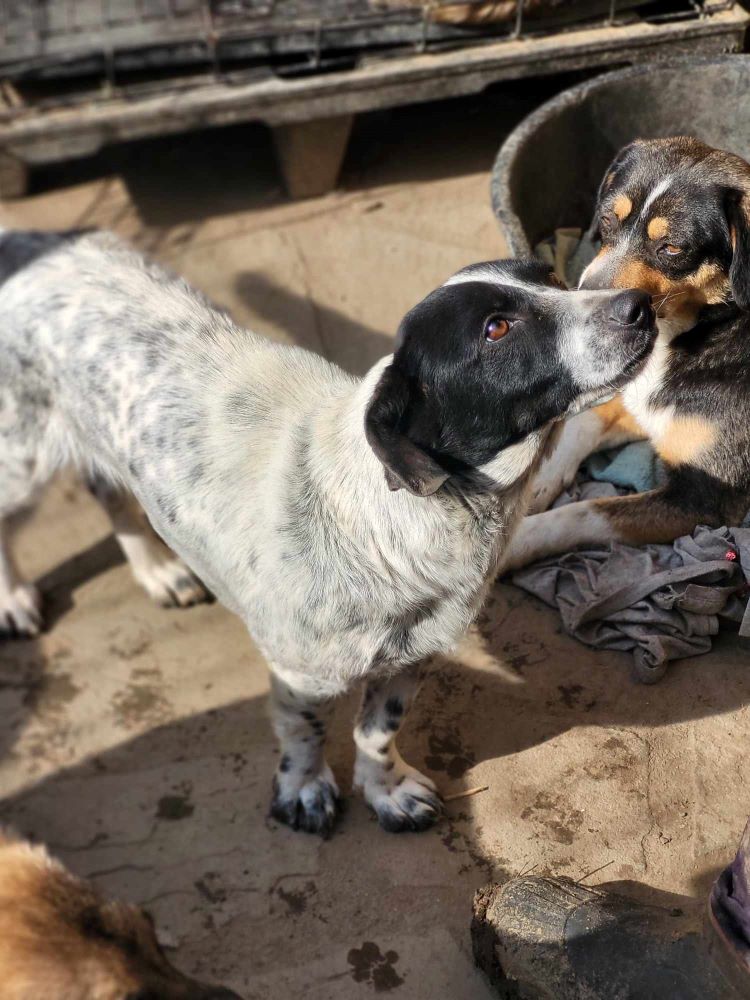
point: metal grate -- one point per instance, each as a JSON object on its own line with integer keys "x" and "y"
{"x": 116, "y": 39}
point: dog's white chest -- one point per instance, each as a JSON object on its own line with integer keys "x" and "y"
{"x": 638, "y": 395}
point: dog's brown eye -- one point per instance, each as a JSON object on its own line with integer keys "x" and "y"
{"x": 670, "y": 250}
{"x": 606, "y": 223}
{"x": 496, "y": 328}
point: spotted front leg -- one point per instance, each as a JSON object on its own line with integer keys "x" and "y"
{"x": 305, "y": 794}
{"x": 402, "y": 797}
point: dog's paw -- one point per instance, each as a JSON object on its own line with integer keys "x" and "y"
{"x": 404, "y": 799}
{"x": 171, "y": 584}
{"x": 312, "y": 806}
{"x": 547, "y": 488}
{"x": 21, "y": 613}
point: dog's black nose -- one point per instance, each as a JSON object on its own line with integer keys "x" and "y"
{"x": 632, "y": 308}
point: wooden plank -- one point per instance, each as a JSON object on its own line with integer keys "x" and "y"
{"x": 310, "y": 154}
{"x": 14, "y": 176}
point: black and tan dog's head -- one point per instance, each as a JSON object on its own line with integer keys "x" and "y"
{"x": 674, "y": 219}
{"x": 494, "y": 354}
{"x": 60, "y": 939}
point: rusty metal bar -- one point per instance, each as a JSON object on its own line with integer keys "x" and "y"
{"x": 317, "y": 45}
{"x": 107, "y": 50}
{"x": 211, "y": 37}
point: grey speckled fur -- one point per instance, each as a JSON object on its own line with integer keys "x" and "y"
{"x": 251, "y": 462}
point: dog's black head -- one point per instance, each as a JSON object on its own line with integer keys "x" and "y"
{"x": 496, "y": 353}
{"x": 674, "y": 219}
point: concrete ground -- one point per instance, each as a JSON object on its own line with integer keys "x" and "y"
{"x": 134, "y": 740}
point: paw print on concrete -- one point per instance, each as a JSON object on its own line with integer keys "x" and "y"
{"x": 370, "y": 965}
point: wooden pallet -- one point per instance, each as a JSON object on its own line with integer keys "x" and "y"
{"x": 311, "y": 115}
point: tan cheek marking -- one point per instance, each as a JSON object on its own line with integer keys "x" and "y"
{"x": 622, "y": 207}
{"x": 711, "y": 281}
{"x": 707, "y": 286}
{"x": 657, "y": 228}
{"x": 635, "y": 274}
{"x": 685, "y": 440}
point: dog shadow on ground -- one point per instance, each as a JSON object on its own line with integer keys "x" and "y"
{"x": 178, "y": 180}
{"x": 25, "y": 682}
{"x": 176, "y": 817}
{"x": 345, "y": 340}
{"x": 467, "y": 714}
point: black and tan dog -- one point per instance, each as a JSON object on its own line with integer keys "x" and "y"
{"x": 674, "y": 219}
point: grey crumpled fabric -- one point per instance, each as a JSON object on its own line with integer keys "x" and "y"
{"x": 662, "y": 602}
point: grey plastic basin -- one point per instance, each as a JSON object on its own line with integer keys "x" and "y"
{"x": 548, "y": 170}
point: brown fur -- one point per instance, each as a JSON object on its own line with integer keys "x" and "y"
{"x": 59, "y": 940}
{"x": 618, "y": 422}
{"x": 686, "y": 439}
{"x": 644, "y": 518}
{"x": 684, "y": 299}
{"x": 479, "y": 13}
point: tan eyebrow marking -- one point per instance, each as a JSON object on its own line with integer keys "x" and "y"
{"x": 622, "y": 207}
{"x": 658, "y": 227}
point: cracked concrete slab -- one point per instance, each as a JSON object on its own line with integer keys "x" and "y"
{"x": 134, "y": 740}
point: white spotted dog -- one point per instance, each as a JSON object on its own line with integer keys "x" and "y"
{"x": 354, "y": 525}
{"x": 674, "y": 219}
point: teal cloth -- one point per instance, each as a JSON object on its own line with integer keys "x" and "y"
{"x": 633, "y": 467}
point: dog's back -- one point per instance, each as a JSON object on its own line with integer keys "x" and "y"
{"x": 108, "y": 355}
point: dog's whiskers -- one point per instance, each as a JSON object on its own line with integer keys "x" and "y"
{"x": 667, "y": 298}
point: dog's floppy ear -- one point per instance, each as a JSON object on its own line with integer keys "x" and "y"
{"x": 626, "y": 154}
{"x": 738, "y": 217}
{"x": 405, "y": 463}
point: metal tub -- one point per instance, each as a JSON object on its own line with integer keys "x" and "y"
{"x": 548, "y": 170}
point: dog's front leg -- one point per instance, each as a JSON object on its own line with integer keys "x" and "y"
{"x": 402, "y": 797}
{"x": 638, "y": 519}
{"x": 606, "y": 426}
{"x": 305, "y": 794}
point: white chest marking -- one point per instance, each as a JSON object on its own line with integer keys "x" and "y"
{"x": 638, "y": 394}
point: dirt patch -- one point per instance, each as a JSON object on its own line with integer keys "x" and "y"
{"x": 552, "y": 813}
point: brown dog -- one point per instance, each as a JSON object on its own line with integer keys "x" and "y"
{"x": 59, "y": 940}
{"x": 674, "y": 220}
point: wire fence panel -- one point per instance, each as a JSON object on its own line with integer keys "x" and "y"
{"x": 77, "y": 37}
